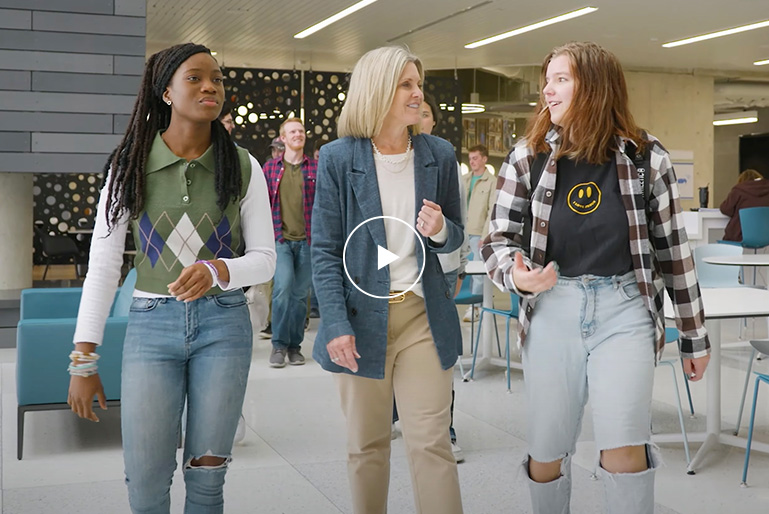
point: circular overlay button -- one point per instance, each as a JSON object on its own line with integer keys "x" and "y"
{"x": 384, "y": 256}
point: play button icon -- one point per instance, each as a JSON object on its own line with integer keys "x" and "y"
{"x": 384, "y": 257}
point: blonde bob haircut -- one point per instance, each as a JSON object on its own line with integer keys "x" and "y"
{"x": 599, "y": 110}
{"x": 373, "y": 83}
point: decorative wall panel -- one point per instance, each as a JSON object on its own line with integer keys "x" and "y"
{"x": 325, "y": 93}
{"x": 65, "y": 202}
{"x": 261, "y": 100}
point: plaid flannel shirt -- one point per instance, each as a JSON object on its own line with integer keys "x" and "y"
{"x": 662, "y": 261}
{"x": 273, "y": 172}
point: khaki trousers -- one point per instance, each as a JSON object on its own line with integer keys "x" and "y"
{"x": 423, "y": 392}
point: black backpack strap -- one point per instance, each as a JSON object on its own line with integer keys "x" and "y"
{"x": 642, "y": 164}
{"x": 535, "y": 172}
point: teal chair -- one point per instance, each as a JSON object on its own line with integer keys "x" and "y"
{"x": 754, "y": 224}
{"x": 43, "y": 343}
{"x": 762, "y": 347}
{"x": 509, "y": 315}
{"x": 466, "y": 297}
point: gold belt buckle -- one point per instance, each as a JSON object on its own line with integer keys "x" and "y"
{"x": 397, "y": 299}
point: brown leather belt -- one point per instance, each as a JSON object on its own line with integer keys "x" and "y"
{"x": 401, "y": 296}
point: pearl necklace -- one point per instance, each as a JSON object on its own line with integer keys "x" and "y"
{"x": 392, "y": 161}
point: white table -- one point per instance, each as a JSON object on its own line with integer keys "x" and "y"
{"x": 485, "y": 347}
{"x": 761, "y": 259}
{"x": 756, "y": 261}
{"x": 720, "y": 303}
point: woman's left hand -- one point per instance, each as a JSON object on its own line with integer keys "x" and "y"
{"x": 695, "y": 368}
{"x": 193, "y": 282}
{"x": 430, "y": 219}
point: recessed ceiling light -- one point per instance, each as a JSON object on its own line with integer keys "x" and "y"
{"x": 534, "y": 26}
{"x": 735, "y": 118}
{"x": 333, "y": 19}
{"x": 473, "y": 108}
{"x": 761, "y": 63}
{"x": 720, "y": 33}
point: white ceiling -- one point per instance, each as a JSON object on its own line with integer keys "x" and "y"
{"x": 259, "y": 33}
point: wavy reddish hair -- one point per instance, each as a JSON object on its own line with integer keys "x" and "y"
{"x": 599, "y": 109}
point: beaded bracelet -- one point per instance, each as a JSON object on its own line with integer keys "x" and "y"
{"x": 83, "y": 357}
{"x": 83, "y": 370}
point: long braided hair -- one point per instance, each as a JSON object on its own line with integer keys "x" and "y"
{"x": 150, "y": 114}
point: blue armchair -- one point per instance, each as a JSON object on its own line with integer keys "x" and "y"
{"x": 44, "y": 341}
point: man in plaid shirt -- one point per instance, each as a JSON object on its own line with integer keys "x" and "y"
{"x": 291, "y": 186}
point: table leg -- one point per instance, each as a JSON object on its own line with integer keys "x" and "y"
{"x": 713, "y": 378}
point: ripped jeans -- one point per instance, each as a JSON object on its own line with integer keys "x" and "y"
{"x": 588, "y": 335}
{"x": 198, "y": 352}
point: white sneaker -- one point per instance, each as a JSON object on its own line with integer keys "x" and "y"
{"x": 457, "y": 451}
{"x": 472, "y": 314}
{"x": 240, "y": 432}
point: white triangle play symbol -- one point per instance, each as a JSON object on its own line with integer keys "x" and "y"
{"x": 384, "y": 257}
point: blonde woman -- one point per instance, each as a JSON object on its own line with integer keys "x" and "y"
{"x": 394, "y": 329}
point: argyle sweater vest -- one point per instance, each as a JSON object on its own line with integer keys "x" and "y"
{"x": 181, "y": 224}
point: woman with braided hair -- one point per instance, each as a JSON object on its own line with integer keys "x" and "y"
{"x": 200, "y": 216}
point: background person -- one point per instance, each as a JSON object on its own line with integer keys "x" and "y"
{"x": 481, "y": 187}
{"x": 752, "y": 190}
{"x": 189, "y": 334}
{"x": 452, "y": 263}
{"x": 383, "y": 166}
{"x": 291, "y": 185}
{"x": 592, "y": 330}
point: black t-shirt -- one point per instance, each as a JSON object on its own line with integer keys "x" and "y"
{"x": 588, "y": 232}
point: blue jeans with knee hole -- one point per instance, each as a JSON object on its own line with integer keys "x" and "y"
{"x": 198, "y": 352}
{"x": 588, "y": 335}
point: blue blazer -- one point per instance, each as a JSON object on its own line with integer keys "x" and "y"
{"x": 347, "y": 194}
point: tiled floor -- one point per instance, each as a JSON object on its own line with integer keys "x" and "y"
{"x": 292, "y": 460}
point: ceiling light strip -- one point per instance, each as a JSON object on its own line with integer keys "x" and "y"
{"x": 333, "y": 19}
{"x": 441, "y": 20}
{"x": 762, "y": 63}
{"x": 720, "y": 33}
{"x": 535, "y": 26}
{"x": 735, "y": 121}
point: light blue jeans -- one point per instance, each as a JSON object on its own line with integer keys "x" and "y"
{"x": 290, "y": 287}
{"x": 175, "y": 351}
{"x": 590, "y": 336}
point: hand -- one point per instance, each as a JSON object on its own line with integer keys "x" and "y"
{"x": 430, "y": 219}
{"x": 81, "y": 393}
{"x": 193, "y": 282}
{"x": 533, "y": 281}
{"x": 695, "y": 368}
{"x": 342, "y": 352}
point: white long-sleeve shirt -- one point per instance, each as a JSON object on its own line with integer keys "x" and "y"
{"x": 255, "y": 266}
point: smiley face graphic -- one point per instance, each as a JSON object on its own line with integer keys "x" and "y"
{"x": 584, "y": 198}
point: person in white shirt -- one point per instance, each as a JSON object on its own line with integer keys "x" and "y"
{"x": 200, "y": 216}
